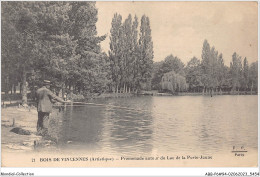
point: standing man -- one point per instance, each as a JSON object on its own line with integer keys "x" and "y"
{"x": 44, "y": 107}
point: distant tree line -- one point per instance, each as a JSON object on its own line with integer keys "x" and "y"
{"x": 207, "y": 74}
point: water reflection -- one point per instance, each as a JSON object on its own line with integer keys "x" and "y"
{"x": 152, "y": 125}
{"x": 130, "y": 131}
{"x": 80, "y": 127}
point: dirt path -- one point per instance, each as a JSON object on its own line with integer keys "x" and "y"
{"x": 18, "y": 117}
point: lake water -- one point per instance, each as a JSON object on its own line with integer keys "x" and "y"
{"x": 150, "y": 125}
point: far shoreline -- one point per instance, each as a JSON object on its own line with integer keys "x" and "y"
{"x": 9, "y": 99}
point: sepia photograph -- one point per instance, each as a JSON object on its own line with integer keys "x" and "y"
{"x": 129, "y": 84}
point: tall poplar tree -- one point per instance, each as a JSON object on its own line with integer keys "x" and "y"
{"x": 236, "y": 71}
{"x": 146, "y": 52}
{"x": 115, "y": 51}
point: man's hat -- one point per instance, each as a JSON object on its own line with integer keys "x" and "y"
{"x": 46, "y": 82}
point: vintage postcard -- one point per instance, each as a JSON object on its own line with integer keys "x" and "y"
{"x": 129, "y": 84}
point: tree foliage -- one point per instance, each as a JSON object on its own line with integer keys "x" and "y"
{"x": 193, "y": 73}
{"x": 53, "y": 40}
{"x": 170, "y": 63}
{"x": 207, "y": 74}
{"x": 130, "y": 59}
{"x": 173, "y": 82}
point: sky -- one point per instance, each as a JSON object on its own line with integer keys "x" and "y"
{"x": 179, "y": 28}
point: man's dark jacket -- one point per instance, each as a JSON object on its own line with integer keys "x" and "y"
{"x": 44, "y": 97}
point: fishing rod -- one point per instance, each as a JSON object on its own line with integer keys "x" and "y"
{"x": 105, "y": 105}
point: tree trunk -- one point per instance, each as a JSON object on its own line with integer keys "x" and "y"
{"x": 124, "y": 89}
{"x": 11, "y": 89}
{"x": 20, "y": 87}
{"x": 63, "y": 90}
{"x": 24, "y": 89}
{"x": 252, "y": 88}
{"x": 14, "y": 89}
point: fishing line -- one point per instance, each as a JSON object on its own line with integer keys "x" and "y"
{"x": 95, "y": 104}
